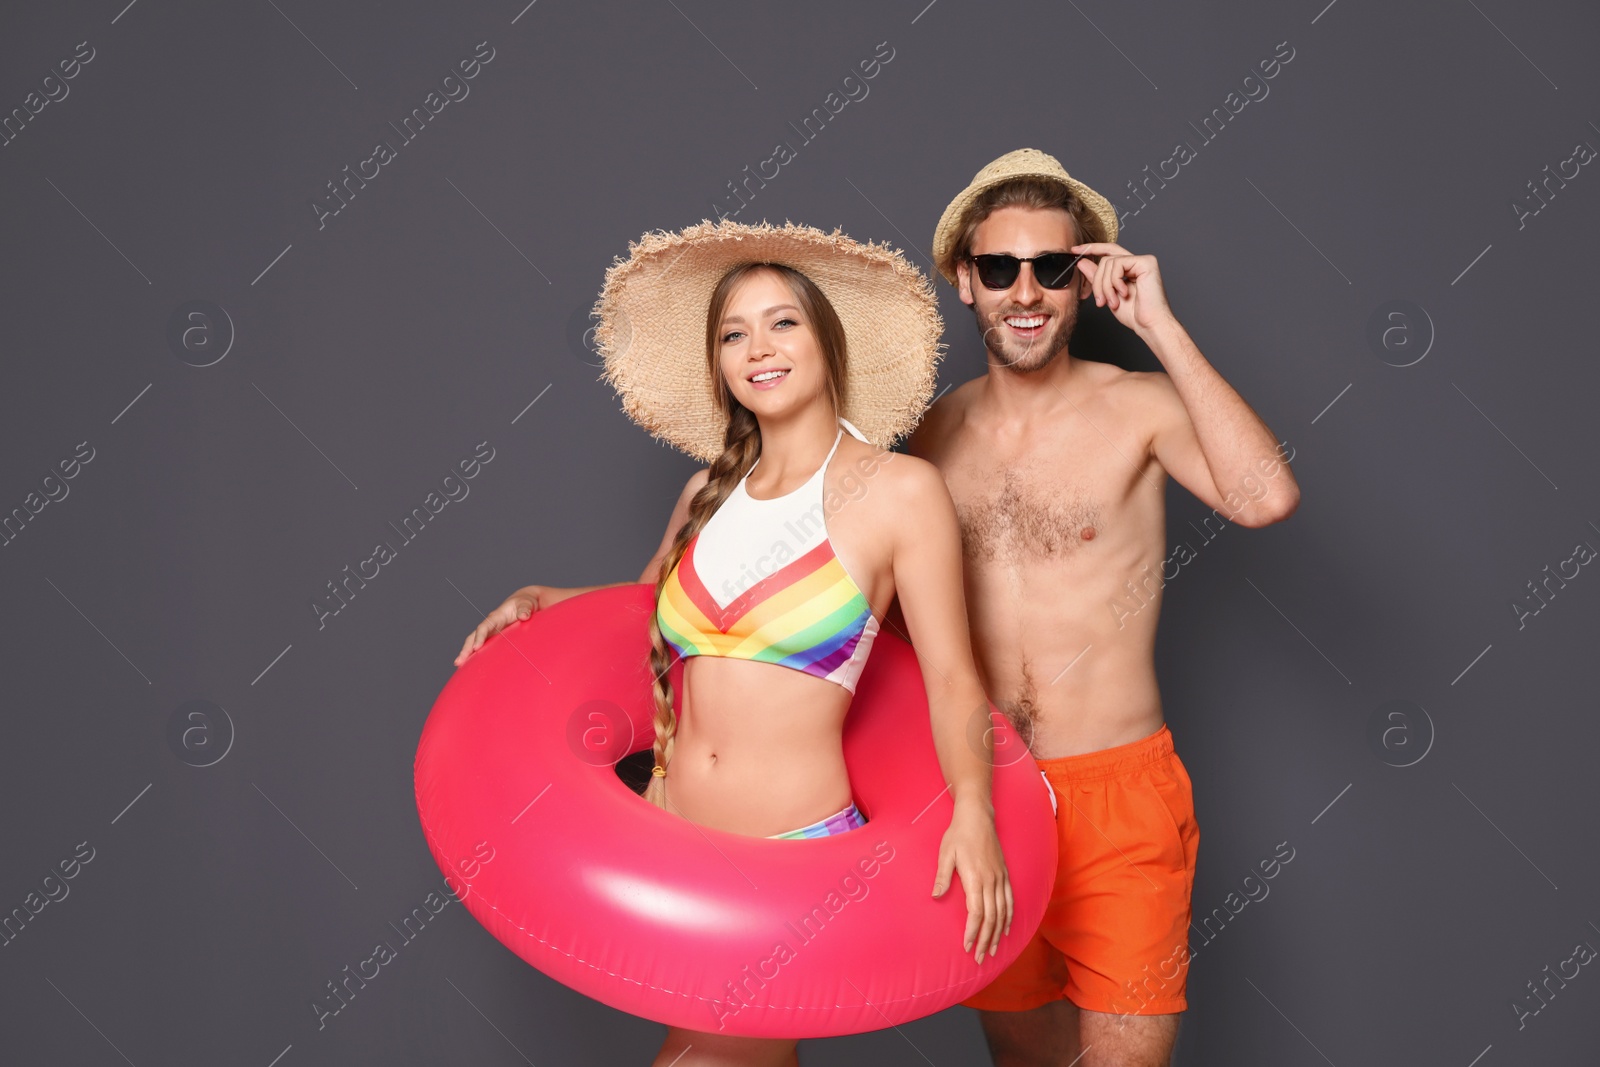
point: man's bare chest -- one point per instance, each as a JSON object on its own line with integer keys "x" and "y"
{"x": 1070, "y": 494}
{"x": 1018, "y": 513}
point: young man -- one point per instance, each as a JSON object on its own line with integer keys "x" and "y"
{"x": 1058, "y": 467}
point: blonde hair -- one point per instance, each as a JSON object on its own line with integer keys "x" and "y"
{"x": 741, "y": 448}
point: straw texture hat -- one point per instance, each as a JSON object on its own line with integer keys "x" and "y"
{"x": 652, "y": 326}
{"x": 1022, "y": 163}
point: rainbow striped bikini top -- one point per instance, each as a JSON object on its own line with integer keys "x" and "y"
{"x": 760, "y": 581}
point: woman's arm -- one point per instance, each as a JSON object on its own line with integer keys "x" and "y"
{"x": 652, "y": 570}
{"x": 928, "y": 582}
{"x": 531, "y": 598}
{"x": 680, "y": 515}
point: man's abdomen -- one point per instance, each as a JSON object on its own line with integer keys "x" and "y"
{"x": 1072, "y": 672}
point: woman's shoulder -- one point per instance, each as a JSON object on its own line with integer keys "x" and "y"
{"x": 697, "y": 481}
{"x": 895, "y": 480}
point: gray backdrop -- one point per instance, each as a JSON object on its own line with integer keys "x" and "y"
{"x": 1386, "y": 247}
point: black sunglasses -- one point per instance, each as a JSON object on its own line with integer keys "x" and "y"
{"x": 1053, "y": 270}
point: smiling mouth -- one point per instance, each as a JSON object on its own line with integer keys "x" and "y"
{"x": 1026, "y": 325}
{"x": 768, "y": 378}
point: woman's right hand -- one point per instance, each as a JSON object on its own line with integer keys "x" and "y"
{"x": 517, "y": 606}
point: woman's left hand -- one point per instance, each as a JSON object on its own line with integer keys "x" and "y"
{"x": 971, "y": 848}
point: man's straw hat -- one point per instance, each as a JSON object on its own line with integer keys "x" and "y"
{"x": 652, "y": 326}
{"x": 1022, "y": 163}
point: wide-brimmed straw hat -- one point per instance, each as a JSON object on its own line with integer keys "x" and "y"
{"x": 1021, "y": 163}
{"x": 652, "y": 326}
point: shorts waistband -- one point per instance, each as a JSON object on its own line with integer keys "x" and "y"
{"x": 1110, "y": 762}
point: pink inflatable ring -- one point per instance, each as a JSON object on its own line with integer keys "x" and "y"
{"x": 687, "y": 925}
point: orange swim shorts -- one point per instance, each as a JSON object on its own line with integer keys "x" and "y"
{"x": 1115, "y": 934}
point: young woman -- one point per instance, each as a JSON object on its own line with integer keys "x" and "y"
{"x": 782, "y": 556}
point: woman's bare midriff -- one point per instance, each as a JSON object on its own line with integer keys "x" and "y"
{"x": 758, "y": 749}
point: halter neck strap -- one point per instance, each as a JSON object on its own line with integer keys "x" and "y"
{"x": 845, "y": 424}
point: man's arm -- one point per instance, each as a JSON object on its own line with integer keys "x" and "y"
{"x": 925, "y": 438}
{"x": 1205, "y": 435}
{"x": 1210, "y": 440}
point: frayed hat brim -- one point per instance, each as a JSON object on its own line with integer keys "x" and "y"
{"x": 652, "y": 324}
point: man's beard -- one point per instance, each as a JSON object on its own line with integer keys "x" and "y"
{"x": 1026, "y": 357}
